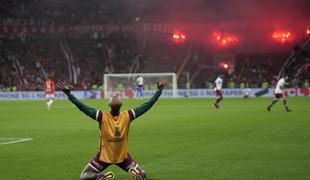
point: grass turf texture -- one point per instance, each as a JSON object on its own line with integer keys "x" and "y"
{"x": 177, "y": 139}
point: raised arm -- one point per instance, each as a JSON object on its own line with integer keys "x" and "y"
{"x": 91, "y": 112}
{"x": 143, "y": 108}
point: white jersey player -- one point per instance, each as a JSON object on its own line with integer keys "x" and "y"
{"x": 218, "y": 83}
{"x": 279, "y": 94}
{"x": 280, "y": 88}
{"x": 139, "y": 81}
{"x": 218, "y": 90}
{"x": 247, "y": 92}
{"x": 139, "y": 87}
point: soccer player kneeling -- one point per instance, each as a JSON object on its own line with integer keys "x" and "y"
{"x": 114, "y": 127}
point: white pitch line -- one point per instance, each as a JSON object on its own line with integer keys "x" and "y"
{"x": 18, "y": 140}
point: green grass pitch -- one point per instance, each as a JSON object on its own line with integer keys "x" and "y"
{"x": 178, "y": 139}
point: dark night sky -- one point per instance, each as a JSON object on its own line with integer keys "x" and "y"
{"x": 223, "y": 9}
{"x": 179, "y": 10}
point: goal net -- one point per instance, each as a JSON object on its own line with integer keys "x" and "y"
{"x": 126, "y": 85}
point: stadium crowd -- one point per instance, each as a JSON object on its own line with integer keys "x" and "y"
{"x": 26, "y": 62}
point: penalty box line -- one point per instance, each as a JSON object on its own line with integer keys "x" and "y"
{"x": 14, "y": 140}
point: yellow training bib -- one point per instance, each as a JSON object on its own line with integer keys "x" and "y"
{"x": 114, "y": 137}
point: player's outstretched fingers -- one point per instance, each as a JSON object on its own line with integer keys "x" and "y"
{"x": 60, "y": 85}
{"x": 165, "y": 80}
{"x": 64, "y": 87}
{"x": 160, "y": 83}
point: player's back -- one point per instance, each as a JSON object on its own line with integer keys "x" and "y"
{"x": 281, "y": 83}
{"x": 280, "y": 86}
{"x": 218, "y": 83}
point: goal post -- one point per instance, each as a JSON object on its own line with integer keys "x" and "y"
{"x": 126, "y": 83}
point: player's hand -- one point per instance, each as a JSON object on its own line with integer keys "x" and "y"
{"x": 161, "y": 83}
{"x": 64, "y": 87}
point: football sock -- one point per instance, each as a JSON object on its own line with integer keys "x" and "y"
{"x": 273, "y": 102}
{"x": 285, "y": 105}
{"x": 49, "y": 104}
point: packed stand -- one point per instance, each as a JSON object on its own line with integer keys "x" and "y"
{"x": 82, "y": 60}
